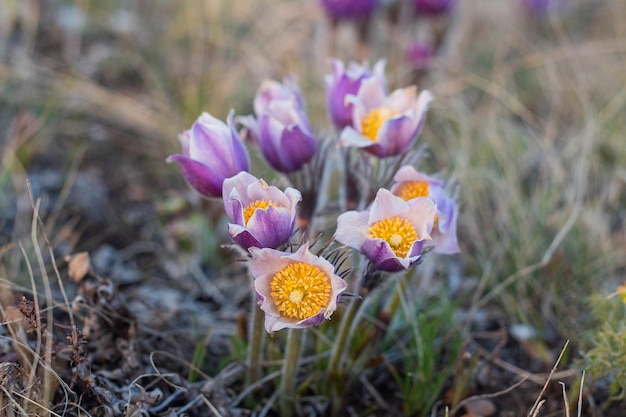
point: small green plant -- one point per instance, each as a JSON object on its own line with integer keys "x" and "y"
{"x": 606, "y": 354}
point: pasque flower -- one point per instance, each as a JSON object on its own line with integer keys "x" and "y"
{"x": 347, "y": 81}
{"x": 295, "y": 290}
{"x": 385, "y": 125}
{"x": 410, "y": 184}
{"x": 348, "y": 9}
{"x": 262, "y": 215}
{"x": 433, "y": 7}
{"x": 282, "y": 129}
{"x": 212, "y": 152}
{"x": 392, "y": 233}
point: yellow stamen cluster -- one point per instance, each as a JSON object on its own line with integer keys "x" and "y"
{"x": 412, "y": 189}
{"x": 398, "y": 232}
{"x": 300, "y": 290}
{"x": 249, "y": 210}
{"x": 374, "y": 120}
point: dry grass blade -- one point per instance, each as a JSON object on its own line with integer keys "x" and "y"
{"x": 534, "y": 410}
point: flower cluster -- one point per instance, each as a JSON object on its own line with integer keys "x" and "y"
{"x": 300, "y": 288}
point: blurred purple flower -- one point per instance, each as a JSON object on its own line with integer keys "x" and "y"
{"x": 410, "y": 184}
{"x": 281, "y": 128}
{"x": 212, "y": 152}
{"x": 262, "y": 215}
{"x": 542, "y": 7}
{"x": 348, "y": 9}
{"x": 347, "y": 81}
{"x": 419, "y": 55}
{"x": 433, "y": 7}
{"x": 296, "y": 290}
{"x": 392, "y": 233}
{"x": 385, "y": 125}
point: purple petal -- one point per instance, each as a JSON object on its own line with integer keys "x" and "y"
{"x": 272, "y": 227}
{"x": 243, "y": 237}
{"x": 297, "y": 147}
{"x": 200, "y": 177}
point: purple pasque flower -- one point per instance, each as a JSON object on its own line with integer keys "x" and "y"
{"x": 420, "y": 54}
{"x": 212, "y": 152}
{"x": 385, "y": 125}
{"x": 410, "y": 184}
{"x": 392, "y": 233}
{"x": 262, "y": 215}
{"x": 347, "y": 81}
{"x": 348, "y": 9}
{"x": 433, "y": 7}
{"x": 296, "y": 290}
{"x": 282, "y": 129}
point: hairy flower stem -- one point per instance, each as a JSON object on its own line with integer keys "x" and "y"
{"x": 288, "y": 384}
{"x": 255, "y": 342}
{"x": 399, "y": 291}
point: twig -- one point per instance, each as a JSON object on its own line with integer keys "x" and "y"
{"x": 535, "y": 408}
{"x": 486, "y": 396}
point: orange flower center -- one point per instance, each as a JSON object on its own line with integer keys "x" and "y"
{"x": 412, "y": 189}
{"x": 300, "y": 290}
{"x": 370, "y": 125}
{"x": 249, "y": 210}
{"x": 398, "y": 232}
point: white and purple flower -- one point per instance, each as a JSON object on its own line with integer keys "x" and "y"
{"x": 347, "y": 81}
{"x": 410, "y": 184}
{"x": 262, "y": 215}
{"x": 295, "y": 290}
{"x": 281, "y": 128}
{"x": 212, "y": 152}
{"x": 392, "y": 233}
{"x": 385, "y": 125}
{"x": 348, "y": 9}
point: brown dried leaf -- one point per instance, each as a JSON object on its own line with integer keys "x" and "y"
{"x": 78, "y": 266}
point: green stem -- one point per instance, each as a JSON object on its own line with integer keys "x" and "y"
{"x": 400, "y": 289}
{"x": 290, "y": 370}
{"x": 334, "y": 364}
{"x": 256, "y": 332}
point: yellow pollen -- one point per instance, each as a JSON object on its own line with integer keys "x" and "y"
{"x": 249, "y": 210}
{"x": 398, "y": 232}
{"x": 412, "y": 189}
{"x": 300, "y": 290}
{"x": 374, "y": 120}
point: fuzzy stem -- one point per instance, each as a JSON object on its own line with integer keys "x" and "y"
{"x": 255, "y": 341}
{"x": 290, "y": 370}
{"x": 400, "y": 289}
{"x": 334, "y": 364}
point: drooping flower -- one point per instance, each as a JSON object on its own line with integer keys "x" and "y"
{"x": 385, "y": 125}
{"x": 282, "y": 129}
{"x": 212, "y": 152}
{"x": 348, "y": 9}
{"x": 433, "y": 7}
{"x": 262, "y": 215}
{"x": 410, "y": 184}
{"x": 392, "y": 233}
{"x": 347, "y": 81}
{"x": 296, "y": 290}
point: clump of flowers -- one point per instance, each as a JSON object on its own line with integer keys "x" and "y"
{"x": 301, "y": 275}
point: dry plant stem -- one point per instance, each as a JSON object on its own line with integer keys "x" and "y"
{"x": 287, "y": 387}
{"x": 255, "y": 342}
{"x": 538, "y": 403}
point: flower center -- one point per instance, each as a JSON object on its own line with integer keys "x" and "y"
{"x": 398, "y": 232}
{"x": 300, "y": 291}
{"x": 374, "y": 120}
{"x": 249, "y": 210}
{"x": 412, "y": 189}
